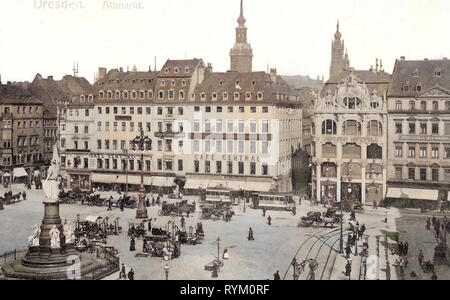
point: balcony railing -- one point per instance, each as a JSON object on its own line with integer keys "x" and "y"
{"x": 169, "y": 134}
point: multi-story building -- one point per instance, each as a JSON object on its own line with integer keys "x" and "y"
{"x": 419, "y": 132}
{"x": 22, "y": 128}
{"x": 238, "y": 129}
{"x": 350, "y": 145}
{"x": 77, "y": 141}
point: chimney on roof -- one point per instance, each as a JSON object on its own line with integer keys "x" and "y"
{"x": 121, "y": 69}
{"x": 9, "y": 82}
{"x": 209, "y": 68}
{"x": 273, "y": 75}
{"x": 425, "y": 59}
{"x": 402, "y": 58}
{"x": 50, "y": 78}
{"x": 101, "y": 73}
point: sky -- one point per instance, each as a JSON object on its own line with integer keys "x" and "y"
{"x": 293, "y": 36}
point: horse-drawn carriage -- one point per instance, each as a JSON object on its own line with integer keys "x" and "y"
{"x": 216, "y": 211}
{"x": 330, "y": 217}
{"x": 10, "y": 198}
{"x": 176, "y": 209}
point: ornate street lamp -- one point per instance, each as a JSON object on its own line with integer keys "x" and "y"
{"x": 141, "y": 143}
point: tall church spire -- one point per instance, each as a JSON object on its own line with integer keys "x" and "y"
{"x": 337, "y": 35}
{"x": 241, "y": 20}
{"x": 339, "y": 56}
{"x": 241, "y": 54}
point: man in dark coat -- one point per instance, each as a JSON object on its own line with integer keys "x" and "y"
{"x": 348, "y": 269}
{"x": 24, "y": 195}
{"x": 132, "y": 244}
{"x": 405, "y": 248}
{"x": 269, "y": 220}
{"x": 110, "y": 203}
{"x": 276, "y": 276}
{"x": 182, "y": 222}
{"x": 250, "y": 235}
{"x": 131, "y": 274}
{"x": 122, "y": 273}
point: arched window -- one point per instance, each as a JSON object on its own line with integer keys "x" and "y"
{"x": 236, "y": 96}
{"x": 248, "y": 96}
{"x": 260, "y": 96}
{"x": 101, "y": 94}
{"x": 374, "y": 128}
{"x": 150, "y": 94}
{"x": 352, "y": 127}
{"x": 82, "y": 98}
{"x": 352, "y": 103}
{"x": 125, "y": 94}
{"x": 161, "y": 95}
{"x": 171, "y": 95}
{"x": 117, "y": 94}
{"x": 203, "y": 96}
{"x": 141, "y": 94}
{"x": 329, "y": 127}
{"x": 214, "y": 96}
{"x": 181, "y": 95}
{"x": 110, "y": 94}
{"x": 133, "y": 95}
{"x": 91, "y": 98}
{"x": 225, "y": 96}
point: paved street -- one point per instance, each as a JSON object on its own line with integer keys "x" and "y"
{"x": 273, "y": 248}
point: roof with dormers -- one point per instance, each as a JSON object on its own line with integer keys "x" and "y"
{"x": 116, "y": 80}
{"x": 180, "y": 68}
{"x": 414, "y": 73}
{"x": 17, "y": 94}
{"x": 242, "y": 83}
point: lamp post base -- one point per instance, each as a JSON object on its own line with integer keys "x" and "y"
{"x": 141, "y": 212}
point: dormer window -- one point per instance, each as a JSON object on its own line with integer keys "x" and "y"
{"x": 161, "y": 95}
{"x": 225, "y": 96}
{"x": 101, "y": 94}
{"x": 406, "y": 89}
{"x": 175, "y": 70}
{"x": 236, "y": 96}
{"x": 125, "y": 94}
{"x": 203, "y": 96}
{"x": 110, "y": 94}
{"x": 118, "y": 80}
{"x": 221, "y": 82}
{"x": 141, "y": 94}
{"x": 186, "y": 70}
{"x": 253, "y": 82}
{"x": 100, "y": 83}
{"x": 438, "y": 73}
{"x": 183, "y": 82}
{"x": 163, "y": 83}
{"x": 133, "y": 95}
{"x": 248, "y": 96}
{"x": 173, "y": 82}
{"x": 117, "y": 94}
{"x": 166, "y": 70}
{"x": 82, "y": 98}
{"x": 150, "y": 94}
{"x": 260, "y": 96}
{"x": 418, "y": 88}
{"x": 214, "y": 97}
{"x": 91, "y": 98}
{"x": 181, "y": 95}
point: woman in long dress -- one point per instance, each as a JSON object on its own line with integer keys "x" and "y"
{"x": 226, "y": 255}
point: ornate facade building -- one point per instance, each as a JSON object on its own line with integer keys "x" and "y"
{"x": 419, "y": 132}
{"x": 350, "y": 145}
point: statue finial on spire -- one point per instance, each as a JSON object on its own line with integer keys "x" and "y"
{"x": 241, "y": 19}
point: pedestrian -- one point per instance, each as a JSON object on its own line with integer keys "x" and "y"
{"x": 348, "y": 250}
{"x": 294, "y": 211}
{"x": 405, "y": 249}
{"x": 276, "y": 276}
{"x": 420, "y": 257}
{"x": 214, "y": 271}
{"x": 147, "y": 202}
{"x": 250, "y": 235}
{"x": 24, "y": 195}
{"x": 153, "y": 201}
{"x": 131, "y": 274}
{"x": 150, "y": 225}
{"x": 121, "y": 205}
{"x": 225, "y": 254}
{"x": 428, "y": 226}
{"x": 110, "y": 204}
{"x": 375, "y": 205}
{"x": 132, "y": 244}
{"x": 400, "y": 249}
{"x": 348, "y": 268}
{"x": 269, "y": 221}
{"x": 122, "y": 273}
{"x": 182, "y": 222}
{"x": 385, "y": 217}
{"x": 264, "y": 212}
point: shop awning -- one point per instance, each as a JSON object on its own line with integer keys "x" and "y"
{"x": 6, "y": 174}
{"x": 20, "y": 172}
{"x": 93, "y": 219}
{"x": 416, "y": 194}
{"x": 163, "y": 181}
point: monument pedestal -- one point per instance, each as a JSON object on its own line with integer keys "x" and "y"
{"x": 141, "y": 212}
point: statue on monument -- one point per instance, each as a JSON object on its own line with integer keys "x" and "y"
{"x": 33, "y": 240}
{"x": 51, "y": 184}
{"x": 54, "y": 237}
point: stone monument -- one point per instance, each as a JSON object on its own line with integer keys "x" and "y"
{"x": 52, "y": 256}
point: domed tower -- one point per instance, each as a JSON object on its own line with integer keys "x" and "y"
{"x": 339, "y": 57}
{"x": 241, "y": 54}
